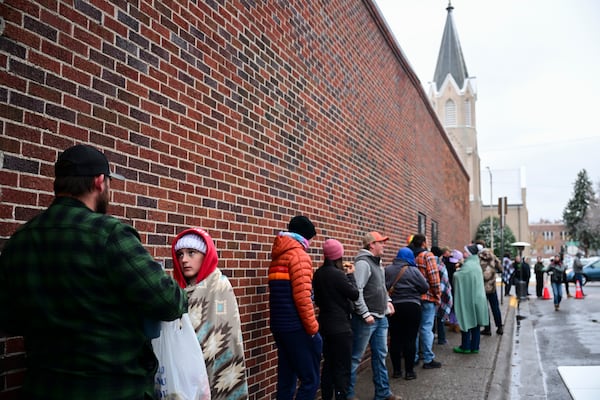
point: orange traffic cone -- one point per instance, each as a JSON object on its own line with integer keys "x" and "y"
{"x": 546, "y": 294}
{"x": 578, "y": 292}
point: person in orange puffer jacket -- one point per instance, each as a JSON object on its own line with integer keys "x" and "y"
{"x": 293, "y": 321}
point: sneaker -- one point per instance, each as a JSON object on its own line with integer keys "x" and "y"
{"x": 460, "y": 350}
{"x": 474, "y": 351}
{"x": 410, "y": 375}
{"x": 432, "y": 364}
{"x": 500, "y": 330}
{"x": 486, "y": 332}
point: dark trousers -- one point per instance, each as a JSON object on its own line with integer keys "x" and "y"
{"x": 566, "y": 282}
{"x": 508, "y": 285}
{"x": 493, "y": 300}
{"x": 470, "y": 339}
{"x": 404, "y": 326}
{"x": 337, "y": 363}
{"x": 539, "y": 283}
{"x": 299, "y": 359}
{"x": 440, "y": 327}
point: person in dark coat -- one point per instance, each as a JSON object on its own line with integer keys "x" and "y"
{"x": 526, "y": 273}
{"x": 335, "y": 290}
{"x": 539, "y": 277}
{"x": 522, "y": 272}
{"x": 405, "y": 284}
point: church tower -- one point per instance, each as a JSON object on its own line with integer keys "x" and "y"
{"x": 453, "y": 95}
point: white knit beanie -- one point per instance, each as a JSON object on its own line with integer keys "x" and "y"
{"x": 191, "y": 241}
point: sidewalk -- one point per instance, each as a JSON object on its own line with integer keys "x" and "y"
{"x": 463, "y": 376}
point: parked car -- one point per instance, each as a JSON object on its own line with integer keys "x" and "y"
{"x": 591, "y": 271}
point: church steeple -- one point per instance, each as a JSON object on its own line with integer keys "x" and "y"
{"x": 450, "y": 58}
{"x": 453, "y": 96}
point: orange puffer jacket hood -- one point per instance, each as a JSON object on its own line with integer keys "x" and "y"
{"x": 290, "y": 287}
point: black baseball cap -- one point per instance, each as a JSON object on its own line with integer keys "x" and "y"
{"x": 83, "y": 160}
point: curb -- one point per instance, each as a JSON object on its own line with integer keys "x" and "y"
{"x": 499, "y": 382}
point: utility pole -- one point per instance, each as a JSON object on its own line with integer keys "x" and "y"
{"x": 502, "y": 210}
{"x": 491, "y": 213}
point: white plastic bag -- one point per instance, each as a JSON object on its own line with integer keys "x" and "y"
{"x": 181, "y": 371}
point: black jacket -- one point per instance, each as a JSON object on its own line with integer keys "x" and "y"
{"x": 334, "y": 292}
{"x": 526, "y": 271}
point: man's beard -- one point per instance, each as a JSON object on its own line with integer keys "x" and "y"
{"x": 102, "y": 202}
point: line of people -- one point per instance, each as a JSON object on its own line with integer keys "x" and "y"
{"x": 364, "y": 303}
{"x": 75, "y": 276}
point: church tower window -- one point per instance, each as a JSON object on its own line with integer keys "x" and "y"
{"x": 450, "y": 112}
{"x": 468, "y": 112}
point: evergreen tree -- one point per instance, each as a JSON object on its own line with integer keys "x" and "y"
{"x": 578, "y": 211}
{"x": 592, "y": 225}
{"x": 483, "y": 233}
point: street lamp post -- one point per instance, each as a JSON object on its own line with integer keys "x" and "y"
{"x": 491, "y": 213}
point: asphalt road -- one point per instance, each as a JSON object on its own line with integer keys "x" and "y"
{"x": 546, "y": 339}
{"x": 522, "y": 364}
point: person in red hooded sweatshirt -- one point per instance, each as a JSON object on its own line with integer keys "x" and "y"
{"x": 293, "y": 321}
{"x": 214, "y": 312}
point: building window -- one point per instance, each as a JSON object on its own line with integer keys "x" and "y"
{"x": 549, "y": 249}
{"x": 434, "y": 233}
{"x": 421, "y": 223}
{"x": 468, "y": 121}
{"x": 548, "y": 235}
{"x": 450, "y": 113}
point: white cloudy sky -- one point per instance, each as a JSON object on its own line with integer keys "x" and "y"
{"x": 537, "y": 69}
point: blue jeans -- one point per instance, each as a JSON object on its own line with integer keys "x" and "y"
{"x": 425, "y": 337}
{"x": 470, "y": 339}
{"x": 557, "y": 291}
{"x": 376, "y": 336}
{"x": 579, "y": 277}
{"x": 299, "y": 358}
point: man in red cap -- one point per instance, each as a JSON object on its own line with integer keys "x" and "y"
{"x": 369, "y": 322}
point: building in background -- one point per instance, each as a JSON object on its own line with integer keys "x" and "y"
{"x": 547, "y": 238}
{"x": 453, "y": 94}
{"x": 509, "y": 183}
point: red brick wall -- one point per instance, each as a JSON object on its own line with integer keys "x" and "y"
{"x": 230, "y": 115}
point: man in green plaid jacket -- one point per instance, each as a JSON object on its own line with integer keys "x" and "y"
{"x": 79, "y": 286}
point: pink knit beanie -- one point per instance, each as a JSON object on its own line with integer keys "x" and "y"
{"x": 332, "y": 249}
